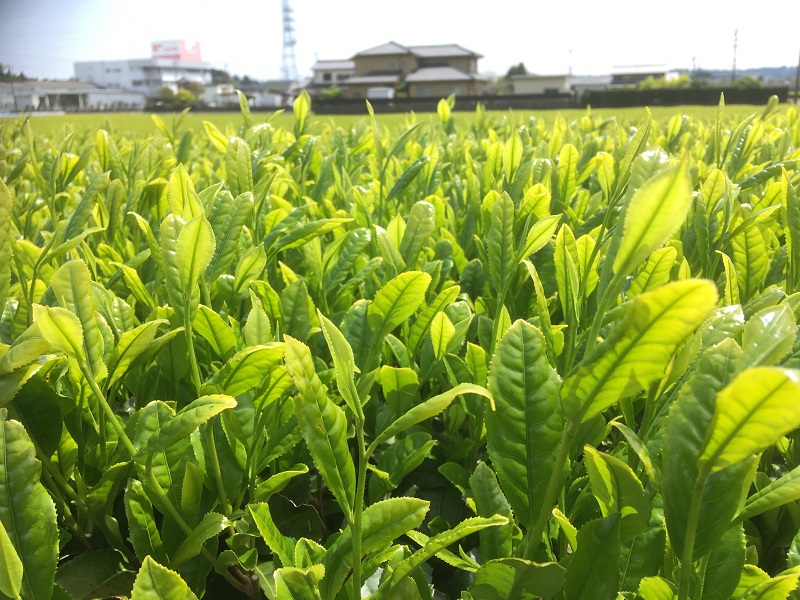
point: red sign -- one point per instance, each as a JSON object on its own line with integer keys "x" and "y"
{"x": 176, "y": 50}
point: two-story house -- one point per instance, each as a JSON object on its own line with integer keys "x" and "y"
{"x": 414, "y": 71}
{"x": 328, "y": 73}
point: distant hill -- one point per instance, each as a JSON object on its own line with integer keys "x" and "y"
{"x": 775, "y": 75}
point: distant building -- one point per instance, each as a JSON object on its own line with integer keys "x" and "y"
{"x": 550, "y": 85}
{"x": 391, "y": 68}
{"x": 585, "y": 83}
{"x": 328, "y": 72}
{"x": 172, "y": 64}
{"x": 221, "y": 95}
{"x": 634, "y": 74}
{"x": 443, "y": 81}
{"x": 258, "y": 95}
{"x": 64, "y": 95}
{"x": 277, "y": 86}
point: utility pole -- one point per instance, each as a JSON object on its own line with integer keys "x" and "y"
{"x": 13, "y": 91}
{"x": 735, "y": 40}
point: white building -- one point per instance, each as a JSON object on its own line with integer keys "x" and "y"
{"x": 328, "y": 72}
{"x": 550, "y": 85}
{"x": 64, "y": 95}
{"x": 634, "y": 74}
{"x": 224, "y": 95}
{"x": 171, "y": 64}
{"x": 585, "y": 83}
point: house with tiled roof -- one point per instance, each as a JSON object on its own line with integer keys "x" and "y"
{"x": 414, "y": 71}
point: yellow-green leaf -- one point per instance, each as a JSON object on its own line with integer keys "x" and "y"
{"x": 655, "y": 212}
{"x": 72, "y": 285}
{"x": 639, "y": 348}
{"x": 6, "y": 242}
{"x": 397, "y": 301}
{"x": 182, "y": 198}
{"x": 155, "y": 582}
{"x": 442, "y": 331}
{"x": 756, "y": 410}
{"x": 61, "y": 328}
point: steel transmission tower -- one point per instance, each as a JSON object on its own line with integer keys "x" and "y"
{"x": 289, "y": 65}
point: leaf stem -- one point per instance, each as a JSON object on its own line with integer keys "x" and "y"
{"x": 187, "y": 329}
{"x": 181, "y": 522}
{"x": 358, "y": 510}
{"x": 609, "y": 295}
{"x": 498, "y": 311}
{"x": 553, "y": 490}
{"x": 687, "y": 565}
{"x": 32, "y": 291}
{"x": 123, "y": 436}
{"x": 64, "y": 512}
{"x": 215, "y": 469}
{"x": 206, "y": 293}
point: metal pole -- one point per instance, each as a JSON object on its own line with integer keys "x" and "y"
{"x": 13, "y": 89}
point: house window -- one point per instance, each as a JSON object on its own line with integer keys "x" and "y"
{"x": 454, "y": 89}
{"x": 341, "y": 77}
{"x": 424, "y": 91}
{"x": 326, "y": 77}
{"x": 392, "y": 64}
{"x": 551, "y": 91}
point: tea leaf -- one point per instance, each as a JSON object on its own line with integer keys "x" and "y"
{"x": 155, "y": 582}
{"x": 525, "y": 429}
{"x": 323, "y": 425}
{"x": 27, "y": 513}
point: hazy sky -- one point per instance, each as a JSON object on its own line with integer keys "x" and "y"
{"x": 44, "y": 37}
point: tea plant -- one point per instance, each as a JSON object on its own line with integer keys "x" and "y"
{"x": 475, "y": 359}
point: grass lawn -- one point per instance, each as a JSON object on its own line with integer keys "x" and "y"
{"x": 140, "y": 123}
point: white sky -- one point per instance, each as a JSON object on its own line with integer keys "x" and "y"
{"x": 44, "y": 37}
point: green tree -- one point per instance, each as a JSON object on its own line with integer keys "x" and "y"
{"x": 7, "y": 76}
{"x": 186, "y": 98}
{"x": 332, "y": 93}
{"x": 166, "y": 99}
{"x": 662, "y": 83}
{"x": 518, "y": 69}
{"x": 748, "y": 82}
{"x": 220, "y": 76}
{"x": 195, "y": 87}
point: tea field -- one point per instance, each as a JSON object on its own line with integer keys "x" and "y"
{"x": 141, "y": 125}
{"x": 486, "y": 356}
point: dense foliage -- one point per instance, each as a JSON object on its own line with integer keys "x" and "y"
{"x": 481, "y": 360}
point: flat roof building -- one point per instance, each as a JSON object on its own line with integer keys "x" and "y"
{"x": 64, "y": 95}
{"x": 172, "y": 63}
